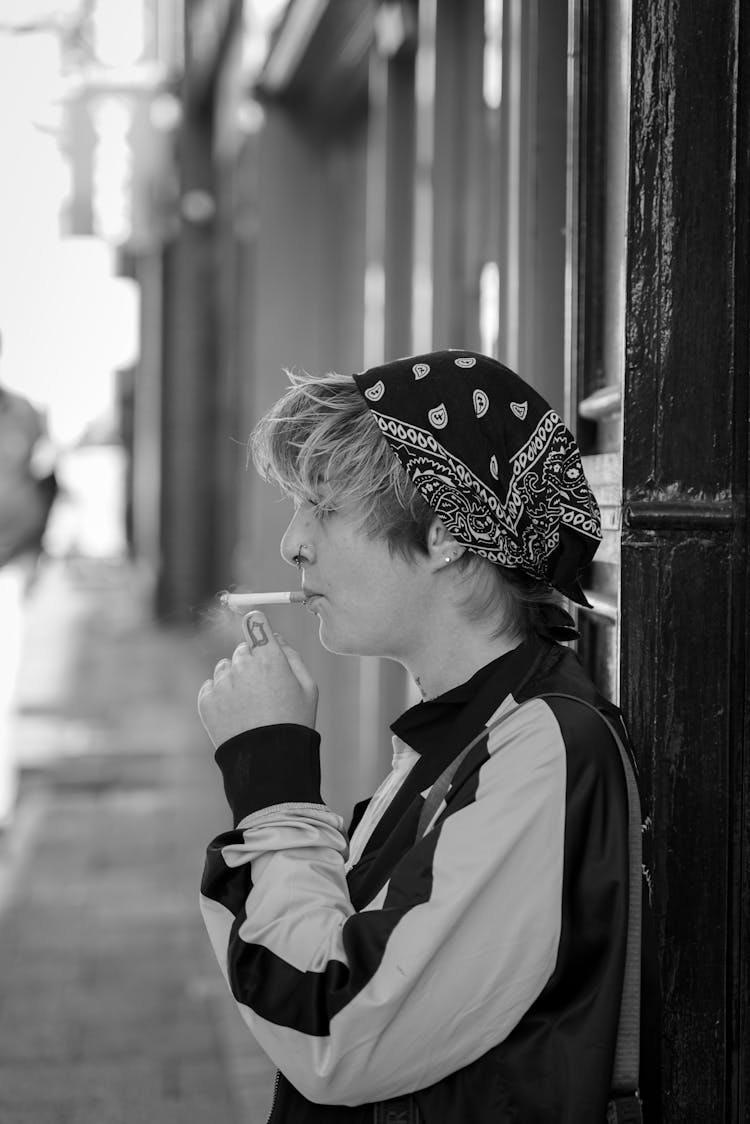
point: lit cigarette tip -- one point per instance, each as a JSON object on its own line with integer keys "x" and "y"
{"x": 243, "y": 602}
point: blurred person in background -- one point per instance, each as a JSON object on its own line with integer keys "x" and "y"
{"x": 458, "y": 955}
{"x": 28, "y": 486}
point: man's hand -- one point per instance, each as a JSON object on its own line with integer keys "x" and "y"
{"x": 263, "y": 684}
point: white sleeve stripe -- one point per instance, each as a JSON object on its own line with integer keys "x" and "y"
{"x": 489, "y": 926}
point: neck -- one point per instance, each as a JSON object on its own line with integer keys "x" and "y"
{"x": 438, "y": 667}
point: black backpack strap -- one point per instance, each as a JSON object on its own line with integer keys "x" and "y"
{"x": 626, "y": 1104}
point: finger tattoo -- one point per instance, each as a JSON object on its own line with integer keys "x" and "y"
{"x": 256, "y": 634}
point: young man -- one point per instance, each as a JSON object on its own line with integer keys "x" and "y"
{"x": 459, "y": 956}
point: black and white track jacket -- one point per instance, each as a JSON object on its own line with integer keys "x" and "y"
{"x": 479, "y": 966}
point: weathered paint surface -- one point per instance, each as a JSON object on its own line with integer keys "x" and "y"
{"x": 678, "y": 702}
{"x": 684, "y": 550}
{"x": 681, "y": 244}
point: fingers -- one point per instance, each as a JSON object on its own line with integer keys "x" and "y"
{"x": 294, "y": 659}
{"x": 257, "y": 630}
{"x": 264, "y": 682}
{"x": 203, "y": 696}
{"x": 261, "y": 638}
{"x": 221, "y": 669}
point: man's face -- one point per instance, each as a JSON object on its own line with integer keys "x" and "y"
{"x": 368, "y": 601}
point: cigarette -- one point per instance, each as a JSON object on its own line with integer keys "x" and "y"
{"x": 244, "y": 602}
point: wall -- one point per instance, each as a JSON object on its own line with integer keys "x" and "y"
{"x": 309, "y": 293}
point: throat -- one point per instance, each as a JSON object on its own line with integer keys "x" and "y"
{"x": 459, "y": 666}
{"x": 423, "y": 693}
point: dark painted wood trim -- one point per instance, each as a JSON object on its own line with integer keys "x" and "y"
{"x": 672, "y": 516}
{"x": 684, "y": 596}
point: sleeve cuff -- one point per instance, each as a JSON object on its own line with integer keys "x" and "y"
{"x": 270, "y": 765}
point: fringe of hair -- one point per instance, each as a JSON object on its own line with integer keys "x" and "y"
{"x": 321, "y": 445}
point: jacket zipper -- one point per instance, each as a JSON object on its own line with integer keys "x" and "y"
{"x": 276, "y": 1083}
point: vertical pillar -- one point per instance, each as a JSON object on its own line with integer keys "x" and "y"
{"x": 531, "y": 253}
{"x": 400, "y": 113}
{"x": 187, "y": 575}
{"x": 146, "y": 466}
{"x": 383, "y": 685}
{"x": 458, "y": 240}
{"x": 684, "y": 550}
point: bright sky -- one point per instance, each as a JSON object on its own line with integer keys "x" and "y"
{"x": 65, "y": 321}
{"x": 60, "y": 308}
{"x": 17, "y": 12}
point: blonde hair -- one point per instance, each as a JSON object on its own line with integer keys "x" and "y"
{"x": 320, "y": 444}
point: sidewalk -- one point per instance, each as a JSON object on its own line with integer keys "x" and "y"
{"x": 112, "y": 1009}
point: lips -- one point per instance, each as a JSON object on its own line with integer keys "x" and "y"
{"x": 311, "y": 604}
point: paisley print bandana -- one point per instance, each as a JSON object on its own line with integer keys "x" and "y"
{"x": 492, "y": 459}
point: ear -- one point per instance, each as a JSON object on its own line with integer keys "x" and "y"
{"x": 442, "y": 548}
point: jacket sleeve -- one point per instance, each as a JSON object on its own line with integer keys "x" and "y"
{"x": 361, "y": 1006}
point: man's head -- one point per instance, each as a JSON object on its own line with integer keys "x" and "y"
{"x": 321, "y": 445}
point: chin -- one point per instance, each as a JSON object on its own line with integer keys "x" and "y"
{"x": 347, "y": 646}
{"x": 339, "y": 647}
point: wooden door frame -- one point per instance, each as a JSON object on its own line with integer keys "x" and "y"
{"x": 684, "y": 547}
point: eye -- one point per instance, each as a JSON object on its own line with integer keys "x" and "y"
{"x": 321, "y": 511}
{"x": 321, "y": 503}
{"x": 311, "y": 506}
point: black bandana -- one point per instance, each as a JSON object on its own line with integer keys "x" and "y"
{"x": 492, "y": 459}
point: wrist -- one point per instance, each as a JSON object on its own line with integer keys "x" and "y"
{"x": 273, "y": 764}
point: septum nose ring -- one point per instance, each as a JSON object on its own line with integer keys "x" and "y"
{"x": 297, "y": 558}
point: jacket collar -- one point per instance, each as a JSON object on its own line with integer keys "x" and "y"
{"x": 451, "y": 720}
{"x": 439, "y": 730}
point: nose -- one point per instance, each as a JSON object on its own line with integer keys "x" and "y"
{"x": 295, "y": 537}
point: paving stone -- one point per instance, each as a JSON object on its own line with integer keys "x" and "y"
{"x": 112, "y": 1009}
